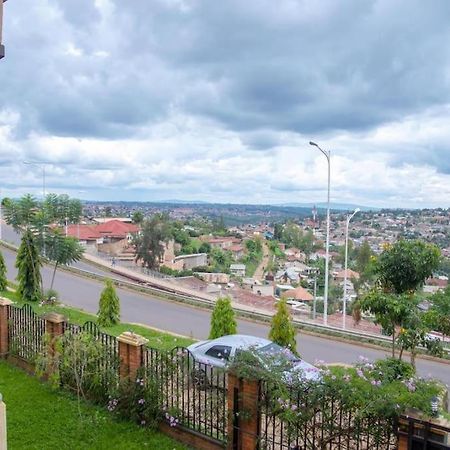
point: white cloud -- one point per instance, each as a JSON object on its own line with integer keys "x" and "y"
{"x": 218, "y": 100}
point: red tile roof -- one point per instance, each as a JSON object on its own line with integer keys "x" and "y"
{"x": 116, "y": 229}
{"x": 83, "y": 232}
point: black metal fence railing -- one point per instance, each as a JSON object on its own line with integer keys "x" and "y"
{"x": 302, "y": 423}
{"x": 107, "y": 362}
{"x": 193, "y": 394}
{"x": 25, "y": 332}
{"x": 423, "y": 435}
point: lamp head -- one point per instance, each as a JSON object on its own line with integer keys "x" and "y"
{"x": 313, "y": 143}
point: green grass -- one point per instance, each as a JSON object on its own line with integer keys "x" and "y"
{"x": 41, "y": 418}
{"x": 156, "y": 338}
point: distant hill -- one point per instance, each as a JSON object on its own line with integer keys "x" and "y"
{"x": 335, "y": 206}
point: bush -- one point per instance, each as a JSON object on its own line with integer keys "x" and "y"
{"x": 138, "y": 400}
{"x": 223, "y": 320}
{"x": 282, "y": 330}
{"x": 394, "y": 369}
{"x": 3, "y": 279}
{"x": 109, "y": 306}
{"x": 51, "y": 297}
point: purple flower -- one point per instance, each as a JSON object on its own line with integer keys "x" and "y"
{"x": 143, "y": 422}
{"x": 141, "y": 401}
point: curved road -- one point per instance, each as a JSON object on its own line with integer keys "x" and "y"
{"x": 171, "y": 316}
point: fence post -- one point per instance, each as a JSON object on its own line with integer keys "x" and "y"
{"x": 243, "y": 423}
{"x": 3, "y": 441}
{"x": 131, "y": 348}
{"x": 54, "y": 327}
{"x": 4, "y": 344}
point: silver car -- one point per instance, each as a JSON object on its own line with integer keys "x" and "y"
{"x": 221, "y": 351}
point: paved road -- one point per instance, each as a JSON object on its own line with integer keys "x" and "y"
{"x": 141, "y": 308}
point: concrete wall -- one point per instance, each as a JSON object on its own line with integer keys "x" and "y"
{"x": 191, "y": 261}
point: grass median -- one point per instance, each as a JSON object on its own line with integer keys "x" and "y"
{"x": 156, "y": 338}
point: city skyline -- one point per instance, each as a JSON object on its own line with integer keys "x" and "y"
{"x": 150, "y": 101}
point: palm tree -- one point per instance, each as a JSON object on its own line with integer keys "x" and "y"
{"x": 62, "y": 251}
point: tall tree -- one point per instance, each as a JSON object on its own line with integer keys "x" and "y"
{"x": 439, "y": 314}
{"x": 391, "y": 311}
{"x": 137, "y": 217}
{"x": 363, "y": 256}
{"x": 62, "y": 251}
{"x": 28, "y": 264}
{"x": 109, "y": 306}
{"x": 223, "y": 320}
{"x": 3, "y": 279}
{"x": 405, "y": 265}
{"x": 149, "y": 243}
{"x": 282, "y": 330}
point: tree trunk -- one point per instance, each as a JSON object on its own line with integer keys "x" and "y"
{"x": 413, "y": 357}
{"x": 393, "y": 343}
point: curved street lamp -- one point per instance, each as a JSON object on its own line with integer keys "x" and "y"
{"x": 327, "y": 245}
{"x": 347, "y": 224}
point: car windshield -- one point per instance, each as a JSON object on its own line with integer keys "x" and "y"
{"x": 275, "y": 350}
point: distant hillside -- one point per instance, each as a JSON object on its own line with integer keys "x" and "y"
{"x": 335, "y": 206}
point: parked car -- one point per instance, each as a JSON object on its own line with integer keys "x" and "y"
{"x": 220, "y": 353}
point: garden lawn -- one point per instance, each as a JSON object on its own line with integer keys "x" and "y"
{"x": 39, "y": 417}
{"x": 156, "y": 338}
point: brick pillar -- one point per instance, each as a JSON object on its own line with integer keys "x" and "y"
{"x": 54, "y": 327}
{"x": 131, "y": 348}
{"x": 402, "y": 442}
{"x": 4, "y": 344}
{"x": 244, "y": 418}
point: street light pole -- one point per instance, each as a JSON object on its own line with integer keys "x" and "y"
{"x": 347, "y": 224}
{"x": 327, "y": 245}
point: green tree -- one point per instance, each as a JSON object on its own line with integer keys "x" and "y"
{"x": 282, "y": 330}
{"x": 62, "y": 251}
{"x": 223, "y": 321}
{"x": 149, "y": 243}
{"x": 363, "y": 255}
{"x": 205, "y": 247}
{"x": 438, "y": 315}
{"x": 137, "y": 217}
{"x": 21, "y": 213}
{"x": 109, "y": 306}
{"x": 278, "y": 231}
{"x": 391, "y": 311}
{"x": 405, "y": 265}
{"x": 3, "y": 279}
{"x": 28, "y": 264}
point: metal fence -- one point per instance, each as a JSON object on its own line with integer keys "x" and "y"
{"x": 423, "y": 435}
{"x": 25, "y": 332}
{"x": 300, "y": 422}
{"x": 192, "y": 393}
{"x": 107, "y": 363}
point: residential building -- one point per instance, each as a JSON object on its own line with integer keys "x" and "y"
{"x": 238, "y": 270}
{"x": 299, "y": 294}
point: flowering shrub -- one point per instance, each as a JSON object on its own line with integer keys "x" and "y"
{"x": 137, "y": 400}
{"x": 346, "y": 401}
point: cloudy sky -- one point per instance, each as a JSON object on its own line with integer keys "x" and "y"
{"x": 217, "y": 100}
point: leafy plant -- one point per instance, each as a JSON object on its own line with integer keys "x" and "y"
{"x": 138, "y": 400}
{"x": 3, "y": 270}
{"x": 28, "y": 264}
{"x": 223, "y": 320}
{"x": 109, "y": 306}
{"x": 282, "y": 330}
